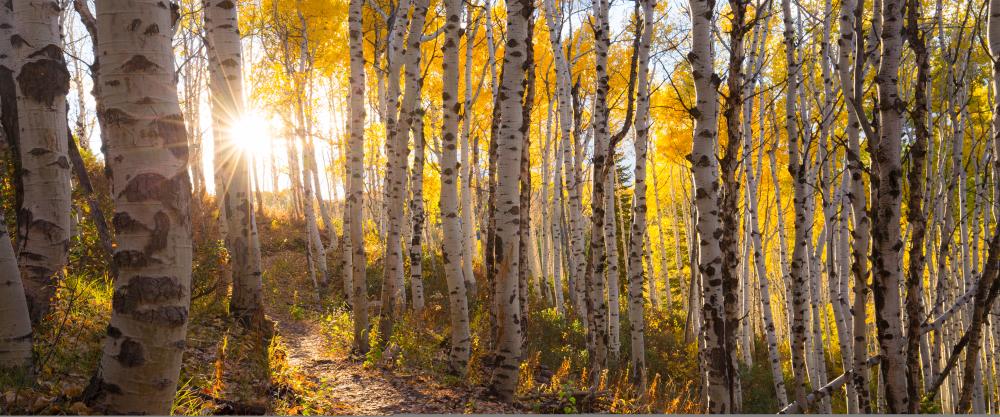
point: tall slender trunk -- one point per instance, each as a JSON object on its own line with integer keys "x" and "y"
{"x": 417, "y": 212}
{"x": 353, "y": 213}
{"x": 803, "y": 225}
{"x": 43, "y": 219}
{"x": 887, "y": 244}
{"x": 148, "y": 154}
{"x": 226, "y": 83}
{"x": 917, "y": 213}
{"x": 597, "y": 307}
{"x": 466, "y": 168}
{"x": 452, "y": 249}
{"x": 512, "y": 132}
{"x": 705, "y": 167}
{"x": 730, "y": 194}
{"x": 396, "y": 151}
{"x": 637, "y": 232}
{"x": 574, "y": 234}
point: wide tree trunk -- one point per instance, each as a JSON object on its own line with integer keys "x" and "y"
{"x": 42, "y": 82}
{"x": 453, "y": 239}
{"x": 148, "y": 154}
{"x": 226, "y": 83}
{"x": 511, "y": 136}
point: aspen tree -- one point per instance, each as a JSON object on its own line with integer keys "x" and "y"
{"x": 15, "y": 325}
{"x": 42, "y": 82}
{"x": 916, "y": 215}
{"x": 511, "y": 137}
{"x": 850, "y": 68}
{"x": 396, "y": 151}
{"x": 148, "y": 154}
{"x": 353, "y": 213}
{"x": 8, "y": 92}
{"x": 613, "y": 276}
{"x": 637, "y": 234}
{"x": 574, "y": 231}
{"x": 412, "y": 121}
{"x": 886, "y": 248}
{"x": 417, "y": 211}
{"x": 732, "y": 108}
{"x": 753, "y": 220}
{"x": 705, "y": 169}
{"x": 226, "y": 82}
{"x": 452, "y": 246}
{"x": 597, "y": 262}
{"x": 466, "y": 167}
{"x": 803, "y": 229}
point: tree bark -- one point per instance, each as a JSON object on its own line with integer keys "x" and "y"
{"x": 226, "y": 83}
{"x": 453, "y": 239}
{"x": 887, "y": 244}
{"x": 637, "y": 233}
{"x": 705, "y": 169}
{"x": 353, "y": 213}
{"x": 42, "y": 82}
{"x": 148, "y": 154}
{"x": 15, "y": 325}
{"x": 512, "y": 132}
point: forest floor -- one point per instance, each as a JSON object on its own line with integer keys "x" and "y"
{"x": 315, "y": 338}
{"x": 307, "y": 367}
{"x": 356, "y": 389}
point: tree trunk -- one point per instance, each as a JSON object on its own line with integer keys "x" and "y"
{"x": 466, "y": 168}
{"x": 597, "y": 263}
{"x": 917, "y": 213}
{"x": 353, "y": 214}
{"x": 803, "y": 227}
{"x": 512, "y": 132}
{"x": 225, "y": 67}
{"x": 417, "y": 212}
{"x": 148, "y": 154}
{"x": 886, "y": 248}
{"x": 730, "y": 195}
{"x": 705, "y": 169}
{"x": 43, "y": 221}
{"x": 396, "y": 151}
{"x": 15, "y": 325}
{"x": 637, "y": 233}
{"x": 453, "y": 239}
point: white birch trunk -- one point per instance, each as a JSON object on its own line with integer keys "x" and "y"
{"x": 353, "y": 213}
{"x": 511, "y": 137}
{"x": 148, "y": 156}
{"x": 226, "y": 83}
{"x": 42, "y": 82}
{"x": 453, "y": 238}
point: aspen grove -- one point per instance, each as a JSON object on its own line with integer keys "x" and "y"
{"x": 499, "y": 206}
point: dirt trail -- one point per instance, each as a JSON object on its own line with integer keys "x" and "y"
{"x": 350, "y": 387}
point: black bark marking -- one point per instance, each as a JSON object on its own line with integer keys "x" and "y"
{"x": 45, "y": 79}
{"x": 171, "y": 130}
{"x": 131, "y": 354}
{"x": 139, "y": 63}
